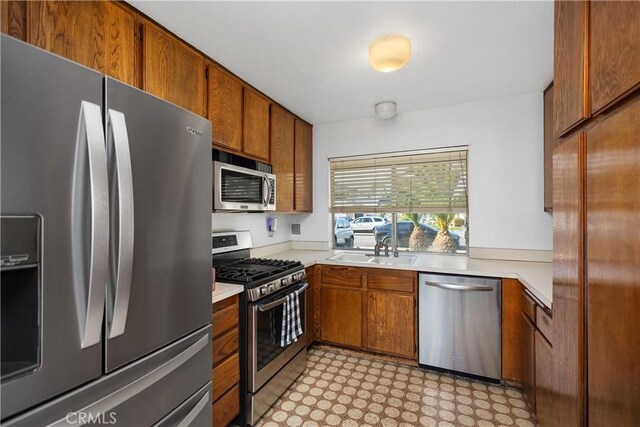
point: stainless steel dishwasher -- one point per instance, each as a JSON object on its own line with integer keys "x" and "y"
{"x": 460, "y": 324}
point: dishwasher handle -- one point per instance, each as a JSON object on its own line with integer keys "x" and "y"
{"x": 459, "y": 287}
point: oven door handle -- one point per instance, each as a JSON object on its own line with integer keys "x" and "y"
{"x": 269, "y": 306}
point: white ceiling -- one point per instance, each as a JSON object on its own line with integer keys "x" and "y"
{"x": 312, "y": 56}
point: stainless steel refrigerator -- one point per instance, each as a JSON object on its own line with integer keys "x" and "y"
{"x": 106, "y": 249}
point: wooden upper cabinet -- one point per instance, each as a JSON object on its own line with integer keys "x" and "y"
{"x": 99, "y": 35}
{"x": 282, "y": 156}
{"x": 569, "y": 72}
{"x": 225, "y": 108}
{"x": 303, "y": 168}
{"x": 549, "y": 145}
{"x": 256, "y": 126}
{"x": 615, "y": 51}
{"x": 391, "y": 323}
{"x": 172, "y": 70}
{"x": 612, "y": 255}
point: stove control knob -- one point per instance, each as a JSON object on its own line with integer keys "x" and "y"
{"x": 285, "y": 281}
{"x": 263, "y": 290}
{"x": 272, "y": 288}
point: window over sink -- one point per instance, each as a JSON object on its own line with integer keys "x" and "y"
{"x": 426, "y": 192}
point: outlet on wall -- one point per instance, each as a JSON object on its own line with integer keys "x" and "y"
{"x": 295, "y": 228}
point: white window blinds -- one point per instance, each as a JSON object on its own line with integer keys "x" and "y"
{"x": 416, "y": 182}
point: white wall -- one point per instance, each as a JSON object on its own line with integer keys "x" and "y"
{"x": 256, "y": 223}
{"x": 505, "y": 138}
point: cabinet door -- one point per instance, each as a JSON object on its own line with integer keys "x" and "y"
{"x": 99, "y": 35}
{"x": 568, "y": 314}
{"x": 341, "y": 316}
{"x": 528, "y": 360}
{"x": 303, "y": 167}
{"x": 282, "y": 157}
{"x": 172, "y": 70}
{"x": 225, "y": 108}
{"x": 613, "y": 268}
{"x": 311, "y": 304}
{"x": 615, "y": 51}
{"x": 391, "y": 323}
{"x": 256, "y": 125}
{"x": 549, "y": 145}
{"x": 569, "y": 71}
{"x": 545, "y": 412}
{"x": 14, "y": 18}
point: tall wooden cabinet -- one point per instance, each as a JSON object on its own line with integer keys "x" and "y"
{"x": 596, "y": 203}
{"x": 172, "y": 70}
{"x": 613, "y": 267}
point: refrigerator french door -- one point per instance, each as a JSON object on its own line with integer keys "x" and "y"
{"x": 118, "y": 182}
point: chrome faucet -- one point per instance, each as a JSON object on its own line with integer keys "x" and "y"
{"x": 378, "y": 246}
{"x": 394, "y": 235}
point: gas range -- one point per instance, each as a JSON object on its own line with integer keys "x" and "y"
{"x": 275, "y": 295}
{"x": 261, "y": 277}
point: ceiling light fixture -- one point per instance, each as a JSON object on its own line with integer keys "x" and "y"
{"x": 385, "y": 110}
{"x": 390, "y": 53}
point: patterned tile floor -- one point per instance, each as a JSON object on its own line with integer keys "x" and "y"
{"x": 344, "y": 388}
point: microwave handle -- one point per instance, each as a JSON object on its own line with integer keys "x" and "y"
{"x": 266, "y": 188}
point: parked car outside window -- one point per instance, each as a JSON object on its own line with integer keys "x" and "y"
{"x": 343, "y": 233}
{"x": 366, "y": 224}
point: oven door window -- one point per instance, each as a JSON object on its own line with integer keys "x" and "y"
{"x": 238, "y": 187}
{"x": 269, "y": 329}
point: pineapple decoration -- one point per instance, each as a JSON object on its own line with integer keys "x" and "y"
{"x": 443, "y": 241}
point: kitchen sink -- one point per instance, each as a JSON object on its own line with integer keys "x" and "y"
{"x": 347, "y": 257}
{"x": 371, "y": 259}
{"x": 401, "y": 260}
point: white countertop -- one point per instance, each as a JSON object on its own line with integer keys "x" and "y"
{"x": 225, "y": 290}
{"x": 537, "y": 277}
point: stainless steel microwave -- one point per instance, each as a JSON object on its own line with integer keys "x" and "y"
{"x": 236, "y": 188}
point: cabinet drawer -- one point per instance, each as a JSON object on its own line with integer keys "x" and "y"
{"x": 224, "y": 345}
{"x": 225, "y": 376}
{"x": 227, "y": 407}
{"x": 545, "y": 324}
{"x": 391, "y": 280}
{"x": 529, "y": 306}
{"x": 225, "y": 316}
{"x": 344, "y": 276}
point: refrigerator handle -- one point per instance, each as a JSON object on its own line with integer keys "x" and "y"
{"x": 91, "y": 131}
{"x": 195, "y": 411}
{"x": 122, "y": 198}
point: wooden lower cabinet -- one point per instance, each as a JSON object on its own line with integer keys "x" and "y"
{"x": 225, "y": 374}
{"x": 310, "y": 301}
{"x": 391, "y": 323}
{"x": 528, "y": 361}
{"x": 544, "y": 401}
{"x": 369, "y": 309}
{"x": 341, "y": 316}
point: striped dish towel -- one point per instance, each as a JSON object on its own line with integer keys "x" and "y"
{"x": 291, "y": 323}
